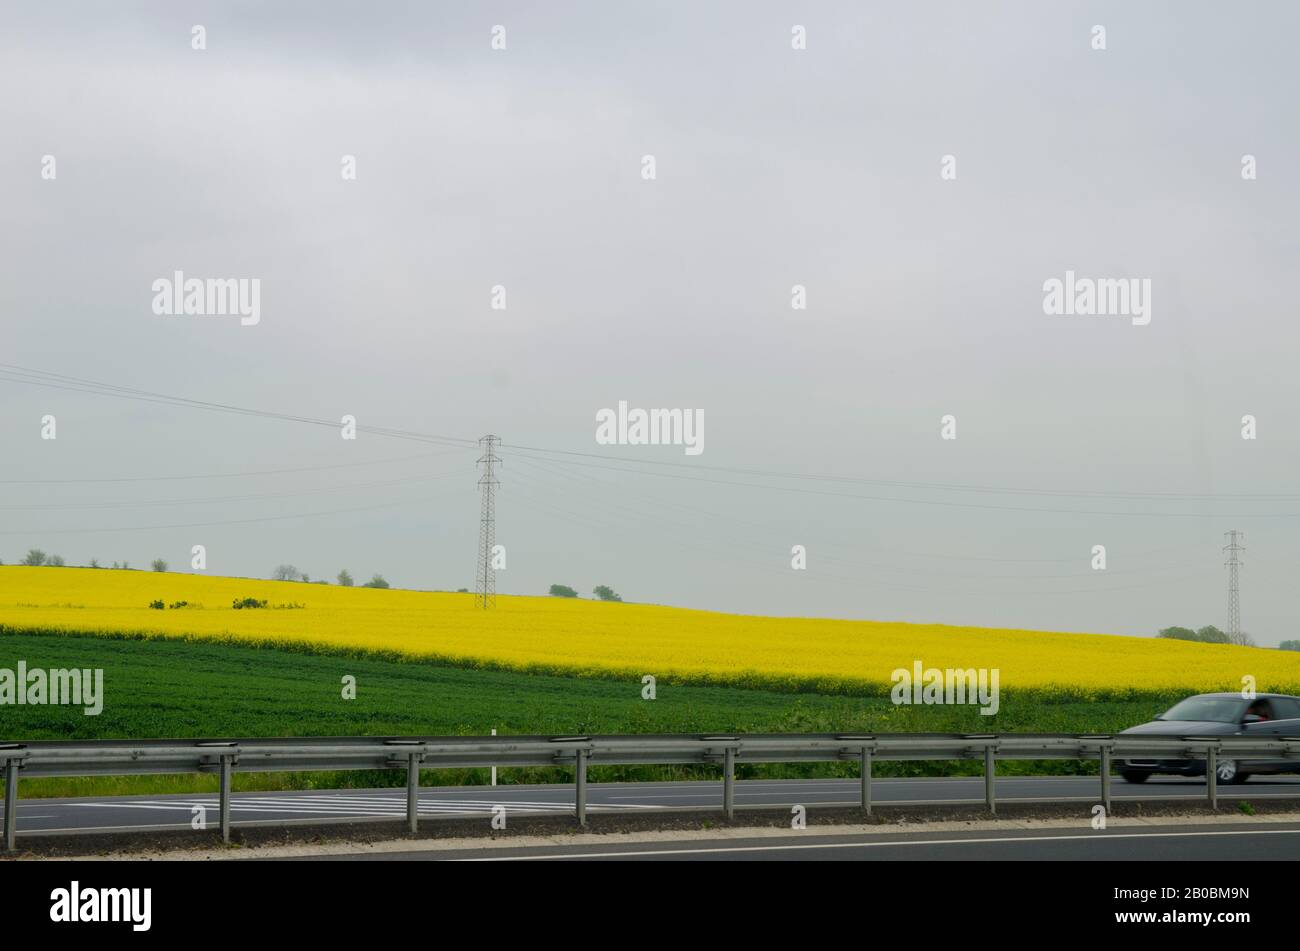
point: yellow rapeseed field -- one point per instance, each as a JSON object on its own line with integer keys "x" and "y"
{"x": 582, "y": 637}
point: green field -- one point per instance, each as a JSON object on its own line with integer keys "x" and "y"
{"x": 171, "y": 688}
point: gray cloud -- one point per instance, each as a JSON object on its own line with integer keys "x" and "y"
{"x": 775, "y": 168}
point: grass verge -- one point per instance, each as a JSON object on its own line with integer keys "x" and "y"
{"x": 196, "y": 688}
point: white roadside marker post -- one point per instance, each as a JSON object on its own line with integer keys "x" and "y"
{"x": 11, "y": 805}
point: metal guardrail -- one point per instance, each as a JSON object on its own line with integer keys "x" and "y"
{"x": 225, "y": 757}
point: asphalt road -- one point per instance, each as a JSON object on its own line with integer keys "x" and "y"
{"x": 152, "y": 813}
{"x": 1167, "y": 843}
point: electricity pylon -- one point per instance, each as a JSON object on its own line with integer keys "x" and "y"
{"x": 1234, "y": 594}
{"x": 485, "y": 584}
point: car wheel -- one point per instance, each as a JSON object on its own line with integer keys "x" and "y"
{"x": 1227, "y": 773}
{"x": 1134, "y": 776}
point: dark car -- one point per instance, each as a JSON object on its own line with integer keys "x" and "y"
{"x": 1227, "y": 714}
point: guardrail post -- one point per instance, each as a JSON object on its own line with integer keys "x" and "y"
{"x": 729, "y": 782}
{"x": 989, "y": 794}
{"x": 225, "y": 797}
{"x": 580, "y": 798}
{"x": 1105, "y": 778}
{"x": 865, "y": 774}
{"x": 413, "y": 792}
{"x": 11, "y": 805}
{"x": 1212, "y": 776}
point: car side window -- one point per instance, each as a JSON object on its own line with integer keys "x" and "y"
{"x": 1286, "y": 709}
{"x": 1262, "y": 709}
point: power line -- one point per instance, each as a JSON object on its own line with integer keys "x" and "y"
{"x": 215, "y": 500}
{"x": 547, "y": 466}
{"x": 229, "y": 475}
{"x": 224, "y": 521}
{"x": 570, "y": 518}
{"x": 747, "y": 542}
{"x": 944, "y": 503}
{"x": 17, "y": 374}
{"x": 930, "y": 486}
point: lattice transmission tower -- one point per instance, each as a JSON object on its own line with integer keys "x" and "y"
{"x": 1234, "y": 593}
{"x": 485, "y": 582}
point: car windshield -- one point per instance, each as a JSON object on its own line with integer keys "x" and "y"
{"x": 1217, "y": 709}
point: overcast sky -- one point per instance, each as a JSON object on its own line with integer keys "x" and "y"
{"x": 774, "y": 167}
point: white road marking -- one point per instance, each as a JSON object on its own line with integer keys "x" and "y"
{"x": 380, "y": 807}
{"x": 869, "y": 845}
